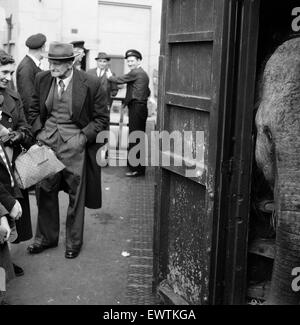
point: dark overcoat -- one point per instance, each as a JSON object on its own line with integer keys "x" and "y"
{"x": 13, "y": 118}
{"x": 8, "y": 194}
{"x": 111, "y": 87}
{"x": 89, "y": 113}
{"x": 25, "y": 75}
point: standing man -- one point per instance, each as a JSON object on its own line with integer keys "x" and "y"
{"x": 29, "y": 67}
{"x": 136, "y": 99}
{"x": 79, "y": 62}
{"x": 67, "y": 112}
{"x": 110, "y": 87}
{"x": 102, "y": 67}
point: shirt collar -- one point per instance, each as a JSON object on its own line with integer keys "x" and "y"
{"x": 35, "y": 60}
{"x": 99, "y": 72}
{"x": 66, "y": 80}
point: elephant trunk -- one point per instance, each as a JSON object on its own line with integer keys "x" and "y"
{"x": 287, "y": 198}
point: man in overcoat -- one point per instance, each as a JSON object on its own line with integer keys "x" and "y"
{"x": 29, "y": 67}
{"x": 68, "y": 111}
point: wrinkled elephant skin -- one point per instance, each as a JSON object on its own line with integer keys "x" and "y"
{"x": 278, "y": 155}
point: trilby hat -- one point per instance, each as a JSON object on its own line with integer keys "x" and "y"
{"x": 103, "y": 56}
{"x": 61, "y": 51}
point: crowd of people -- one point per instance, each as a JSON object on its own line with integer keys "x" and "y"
{"x": 63, "y": 108}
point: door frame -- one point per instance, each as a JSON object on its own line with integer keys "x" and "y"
{"x": 229, "y": 268}
{"x": 231, "y": 198}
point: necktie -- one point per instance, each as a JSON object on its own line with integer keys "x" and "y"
{"x": 62, "y": 88}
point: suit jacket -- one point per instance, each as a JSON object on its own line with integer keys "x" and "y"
{"x": 110, "y": 87}
{"x": 90, "y": 114}
{"x": 137, "y": 81}
{"x": 25, "y": 75}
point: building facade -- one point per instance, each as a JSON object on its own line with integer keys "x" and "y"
{"x": 105, "y": 26}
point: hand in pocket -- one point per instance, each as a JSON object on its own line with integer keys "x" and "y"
{"x": 82, "y": 141}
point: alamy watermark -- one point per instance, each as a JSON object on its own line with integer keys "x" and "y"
{"x": 296, "y": 20}
{"x": 296, "y": 280}
{"x": 160, "y": 149}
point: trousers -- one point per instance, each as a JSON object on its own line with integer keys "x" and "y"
{"x": 138, "y": 114}
{"x": 73, "y": 181}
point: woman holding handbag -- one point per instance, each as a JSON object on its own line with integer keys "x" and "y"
{"x": 14, "y": 134}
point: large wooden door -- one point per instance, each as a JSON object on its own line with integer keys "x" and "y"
{"x": 192, "y": 53}
{"x": 207, "y": 78}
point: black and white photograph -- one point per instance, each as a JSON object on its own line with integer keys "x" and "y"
{"x": 149, "y": 155}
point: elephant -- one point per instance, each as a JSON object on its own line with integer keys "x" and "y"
{"x": 277, "y": 154}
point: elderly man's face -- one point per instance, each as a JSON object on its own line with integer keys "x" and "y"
{"x": 133, "y": 62}
{"x": 6, "y": 72}
{"x": 60, "y": 69}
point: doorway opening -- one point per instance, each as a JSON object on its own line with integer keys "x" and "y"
{"x": 276, "y": 26}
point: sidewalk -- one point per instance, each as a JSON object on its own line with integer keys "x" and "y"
{"x": 115, "y": 264}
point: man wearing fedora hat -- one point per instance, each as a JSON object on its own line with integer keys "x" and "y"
{"x": 29, "y": 67}
{"x": 102, "y": 66}
{"x": 136, "y": 99}
{"x": 111, "y": 88}
{"x": 68, "y": 111}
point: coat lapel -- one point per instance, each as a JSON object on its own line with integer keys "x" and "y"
{"x": 45, "y": 86}
{"x": 50, "y": 97}
{"x": 80, "y": 91}
{"x": 10, "y": 103}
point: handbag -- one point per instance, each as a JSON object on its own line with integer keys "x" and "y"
{"x": 35, "y": 165}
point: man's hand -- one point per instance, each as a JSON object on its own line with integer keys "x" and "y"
{"x": 5, "y": 230}
{"x": 16, "y": 211}
{"x": 16, "y": 137}
{"x": 108, "y": 73}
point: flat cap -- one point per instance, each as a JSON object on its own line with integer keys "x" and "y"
{"x": 135, "y": 53}
{"x": 79, "y": 44}
{"x": 36, "y": 41}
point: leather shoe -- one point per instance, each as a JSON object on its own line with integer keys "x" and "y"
{"x": 134, "y": 174}
{"x": 38, "y": 248}
{"x": 71, "y": 253}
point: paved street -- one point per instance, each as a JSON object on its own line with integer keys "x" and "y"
{"x": 115, "y": 265}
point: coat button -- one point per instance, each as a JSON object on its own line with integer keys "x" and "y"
{"x": 10, "y": 120}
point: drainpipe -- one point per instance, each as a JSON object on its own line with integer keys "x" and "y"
{"x": 9, "y": 33}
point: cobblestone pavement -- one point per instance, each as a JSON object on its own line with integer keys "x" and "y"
{"x": 138, "y": 205}
{"x": 115, "y": 265}
{"x": 140, "y": 275}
